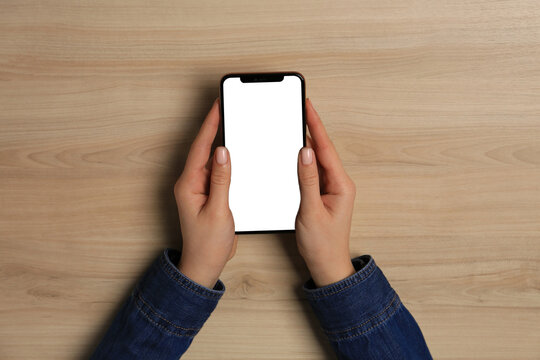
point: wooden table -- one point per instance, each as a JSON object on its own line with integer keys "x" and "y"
{"x": 434, "y": 107}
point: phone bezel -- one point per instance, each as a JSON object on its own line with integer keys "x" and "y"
{"x": 263, "y": 77}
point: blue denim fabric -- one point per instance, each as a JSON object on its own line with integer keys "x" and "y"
{"x": 363, "y": 317}
{"x": 162, "y": 315}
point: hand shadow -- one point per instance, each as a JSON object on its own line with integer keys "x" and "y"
{"x": 288, "y": 242}
{"x": 171, "y": 236}
{"x": 168, "y": 210}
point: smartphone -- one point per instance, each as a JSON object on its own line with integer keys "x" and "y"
{"x": 264, "y": 128}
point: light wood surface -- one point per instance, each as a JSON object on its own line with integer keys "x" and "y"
{"x": 434, "y": 107}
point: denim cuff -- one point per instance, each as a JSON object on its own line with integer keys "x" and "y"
{"x": 356, "y": 304}
{"x": 172, "y": 301}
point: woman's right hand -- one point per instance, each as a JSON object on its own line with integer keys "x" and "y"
{"x": 323, "y": 223}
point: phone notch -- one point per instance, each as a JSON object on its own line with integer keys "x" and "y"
{"x": 252, "y": 78}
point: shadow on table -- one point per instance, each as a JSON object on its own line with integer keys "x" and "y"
{"x": 288, "y": 242}
{"x": 168, "y": 213}
{"x": 174, "y": 167}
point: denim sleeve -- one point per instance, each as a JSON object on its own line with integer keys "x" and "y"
{"x": 363, "y": 317}
{"x": 161, "y": 316}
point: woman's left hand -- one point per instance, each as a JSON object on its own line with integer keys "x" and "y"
{"x": 202, "y": 197}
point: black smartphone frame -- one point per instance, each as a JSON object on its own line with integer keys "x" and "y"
{"x": 263, "y": 77}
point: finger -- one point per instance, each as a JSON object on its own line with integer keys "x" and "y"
{"x": 220, "y": 180}
{"x": 308, "y": 179}
{"x": 309, "y": 144}
{"x": 233, "y": 250}
{"x": 327, "y": 155}
{"x": 209, "y": 163}
{"x": 202, "y": 145}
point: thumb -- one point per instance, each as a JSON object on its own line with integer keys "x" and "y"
{"x": 308, "y": 178}
{"x": 220, "y": 179}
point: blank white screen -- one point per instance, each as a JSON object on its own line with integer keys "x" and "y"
{"x": 263, "y": 133}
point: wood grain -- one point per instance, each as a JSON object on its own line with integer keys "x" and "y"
{"x": 433, "y": 106}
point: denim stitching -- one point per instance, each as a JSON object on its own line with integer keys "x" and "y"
{"x": 159, "y": 325}
{"x": 370, "y": 328}
{"x": 139, "y": 296}
{"x": 394, "y": 298}
{"x": 180, "y": 281}
{"x": 362, "y": 276}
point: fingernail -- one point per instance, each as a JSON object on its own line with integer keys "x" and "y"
{"x": 221, "y": 155}
{"x": 307, "y": 156}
